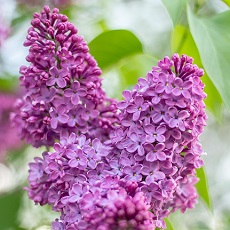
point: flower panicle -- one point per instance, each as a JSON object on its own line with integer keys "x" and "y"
{"x": 62, "y": 84}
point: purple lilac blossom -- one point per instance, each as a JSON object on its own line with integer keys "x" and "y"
{"x": 102, "y": 176}
{"x": 62, "y": 84}
{"x": 161, "y": 120}
{"x": 9, "y": 139}
{"x": 87, "y": 197}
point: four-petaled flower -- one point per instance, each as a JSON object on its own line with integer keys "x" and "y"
{"x": 138, "y": 107}
{"x": 58, "y": 76}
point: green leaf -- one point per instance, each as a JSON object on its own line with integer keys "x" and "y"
{"x": 168, "y": 224}
{"x": 212, "y": 37}
{"x": 111, "y": 46}
{"x": 183, "y": 43}
{"x": 175, "y": 9}
{"x": 126, "y": 74}
{"x": 202, "y": 187}
{"x": 227, "y": 2}
{"x": 8, "y": 84}
{"x": 9, "y": 205}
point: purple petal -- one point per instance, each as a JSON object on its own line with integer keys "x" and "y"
{"x": 159, "y": 147}
{"x": 160, "y": 88}
{"x": 50, "y": 81}
{"x": 151, "y": 156}
{"x": 187, "y": 84}
{"x": 159, "y": 175}
{"x": 61, "y": 82}
{"x": 70, "y": 154}
{"x": 136, "y": 115}
{"x": 53, "y": 122}
{"x": 186, "y": 94}
{"x": 176, "y": 92}
{"x": 149, "y": 129}
{"x": 183, "y": 114}
{"x": 68, "y": 92}
{"x": 176, "y": 134}
{"x": 82, "y": 92}
{"x": 71, "y": 122}
{"x": 178, "y": 82}
{"x": 132, "y": 108}
{"x": 74, "y": 199}
{"x": 132, "y": 148}
{"x": 73, "y": 163}
{"x": 161, "y": 156}
{"x": 75, "y": 99}
{"x": 134, "y": 137}
{"x": 160, "y": 138}
{"x": 141, "y": 151}
{"x": 181, "y": 125}
{"x": 173, "y": 123}
{"x": 63, "y": 118}
{"x": 121, "y": 104}
{"x": 127, "y": 95}
{"x": 139, "y": 100}
{"x": 75, "y": 86}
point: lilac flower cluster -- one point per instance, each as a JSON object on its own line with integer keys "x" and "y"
{"x": 124, "y": 165}
{"x": 160, "y": 122}
{"x": 62, "y": 84}
{"x": 152, "y": 154}
{"x": 76, "y": 180}
{"x": 9, "y": 139}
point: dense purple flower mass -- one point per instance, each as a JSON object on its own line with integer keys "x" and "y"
{"x": 84, "y": 190}
{"x": 63, "y": 88}
{"x": 160, "y": 122}
{"x": 114, "y": 166}
{"x": 150, "y": 160}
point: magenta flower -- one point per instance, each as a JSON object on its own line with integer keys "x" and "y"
{"x": 75, "y": 93}
{"x": 155, "y": 133}
{"x": 57, "y": 77}
{"x": 177, "y": 118}
{"x": 138, "y": 107}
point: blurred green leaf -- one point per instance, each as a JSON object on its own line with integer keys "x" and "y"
{"x": 227, "y": 2}
{"x": 183, "y": 43}
{"x": 126, "y": 74}
{"x": 202, "y": 187}
{"x": 175, "y": 9}
{"x": 168, "y": 224}
{"x": 8, "y": 84}
{"x": 212, "y": 37}
{"x": 111, "y": 46}
{"x": 9, "y": 205}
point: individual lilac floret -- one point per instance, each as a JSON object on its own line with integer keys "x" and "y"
{"x": 161, "y": 119}
{"x": 62, "y": 85}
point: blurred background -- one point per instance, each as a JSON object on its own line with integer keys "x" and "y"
{"x": 147, "y": 30}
